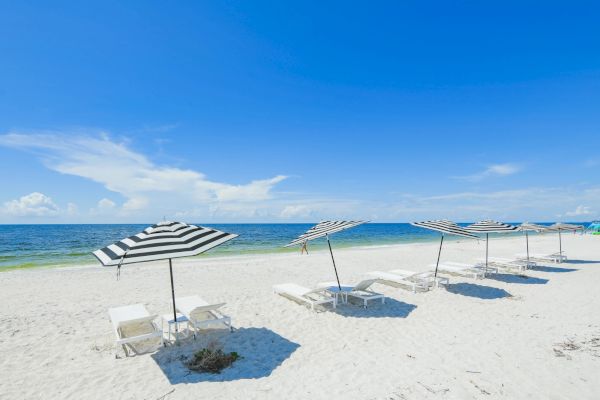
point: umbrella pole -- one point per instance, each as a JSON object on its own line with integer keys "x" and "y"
{"x": 173, "y": 296}
{"x": 487, "y": 242}
{"x": 559, "y": 243}
{"x": 333, "y": 260}
{"x": 527, "y": 241}
{"x": 438, "y": 259}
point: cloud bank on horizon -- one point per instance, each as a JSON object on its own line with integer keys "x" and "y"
{"x": 138, "y": 189}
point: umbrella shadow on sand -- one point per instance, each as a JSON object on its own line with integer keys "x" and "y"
{"x": 520, "y": 279}
{"x": 479, "y": 291}
{"x": 391, "y": 309}
{"x": 582, "y": 262}
{"x": 545, "y": 268}
{"x": 261, "y": 349}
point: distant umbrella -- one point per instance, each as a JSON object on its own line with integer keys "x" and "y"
{"x": 528, "y": 227}
{"x": 165, "y": 240}
{"x": 559, "y": 226}
{"x": 487, "y": 227}
{"x": 445, "y": 227}
{"x": 324, "y": 229}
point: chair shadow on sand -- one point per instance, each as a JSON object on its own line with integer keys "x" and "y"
{"x": 475, "y": 290}
{"x": 391, "y": 309}
{"x": 520, "y": 279}
{"x": 261, "y": 349}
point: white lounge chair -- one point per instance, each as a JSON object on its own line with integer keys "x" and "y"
{"x": 134, "y": 324}
{"x": 553, "y": 257}
{"x": 513, "y": 261}
{"x": 201, "y": 314}
{"x": 399, "y": 281}
{"x": 360, "y": 291}
{"x": 462, "y": 269}
{"x": 427, "y": 277}
{"x": 312, "y": 297}
{"x": 504, "y": 264}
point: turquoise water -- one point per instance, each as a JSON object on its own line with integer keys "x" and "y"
{"x": 23, "y": 246}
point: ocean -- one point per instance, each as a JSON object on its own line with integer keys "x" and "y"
{"x": 25, "y": 246}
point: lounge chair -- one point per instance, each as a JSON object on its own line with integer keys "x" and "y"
{"x": 360, "y": 291}
{"x": 134, "y": 324}
{"x": 312, "y": 297}
{"x": 513, "y": 261}
{"x": 201, "y": 314}
{"x": 553, "y": 257}
{"x": 461, "y": 269}
{"x": 399, "y": 281}
{"x": 427, "y": 277}
{"x": 505, "y": 264}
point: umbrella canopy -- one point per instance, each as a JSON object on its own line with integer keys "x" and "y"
{"x": 445, "y": 227}
{"x": 324, "y": 229}
{"x": 529, "y": 227}
{"x": 165, "y": 240}
{"x": 489, "y": 226}
{"x": 559, "y": 226}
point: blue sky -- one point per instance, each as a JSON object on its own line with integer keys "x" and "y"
{"x": 274, "y": 111}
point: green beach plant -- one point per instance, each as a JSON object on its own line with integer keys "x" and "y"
{"x": 212, "y": 359}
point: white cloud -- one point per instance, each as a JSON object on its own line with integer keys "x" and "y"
{"x": 296, "y": 211}
{"x": 579, "y": 211}
{"x": 72, "y": 209}
{"x": 144, "y": 184}
{"x": 104, "y": 207}
{"x": 134, "y": 204}
{"x": 494, "y": 170}
{"x": 106, "y": 204}
{"x": 32, "y": 205}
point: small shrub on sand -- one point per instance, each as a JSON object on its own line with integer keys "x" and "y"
{"x": 212, "y": 360}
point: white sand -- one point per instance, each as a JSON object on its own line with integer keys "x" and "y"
{"x": 480, "y": 339}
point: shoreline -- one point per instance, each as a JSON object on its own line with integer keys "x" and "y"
{"x": 211, "y": 258}
{"x": 244, "y": 256}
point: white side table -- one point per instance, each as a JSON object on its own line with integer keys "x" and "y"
{"x": 182, "y": 322}
{"x": 335, "y": 291}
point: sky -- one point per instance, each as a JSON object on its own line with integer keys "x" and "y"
{"x": 139, "y": 111}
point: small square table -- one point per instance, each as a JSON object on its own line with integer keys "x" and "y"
{"x": 181, "y": 324}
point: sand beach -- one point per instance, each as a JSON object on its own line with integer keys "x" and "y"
{"x": 503, "y": 337}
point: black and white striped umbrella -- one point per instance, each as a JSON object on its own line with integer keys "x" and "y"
{"x": 559, "y": 226}
{"x": 529, "y": 227}
{"x": 324, "y": 229}
{"x": 162, "y": 241}
{"x": 490, "y": 226}
{"x": 446, "y": 228}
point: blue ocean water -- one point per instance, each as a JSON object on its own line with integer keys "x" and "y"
{"x": 24, "y": 246}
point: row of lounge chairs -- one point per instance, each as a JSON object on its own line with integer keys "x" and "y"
{"x": 329, "y": 293}
{"x": 134, "y": 324}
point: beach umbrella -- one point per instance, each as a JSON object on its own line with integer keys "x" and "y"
{"x": 489, "y": 226}
{"x": 559, "y": 226}
{"x": 528, "y": 227}
{"x": 324, "y": 229}
{"x": 446, "y": 228}
{"x": 163, "y": 241}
